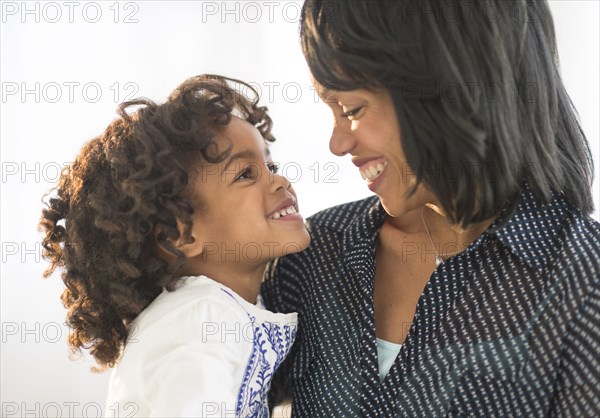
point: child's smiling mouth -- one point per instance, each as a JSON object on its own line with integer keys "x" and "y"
{"x": 287, "y": 210}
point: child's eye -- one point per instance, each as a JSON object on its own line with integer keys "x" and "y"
{"x": 246, "y": 174}
{"x": 352, "y": 112}
{"x": 274, "y": 167}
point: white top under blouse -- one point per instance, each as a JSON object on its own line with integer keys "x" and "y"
{"x": 386, "y": 355}
{"x": 200, "y": 350}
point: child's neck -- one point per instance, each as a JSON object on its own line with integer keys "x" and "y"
{"x": 242, "y": 279}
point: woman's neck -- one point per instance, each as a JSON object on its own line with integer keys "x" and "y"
{"x": 430, "y": 220}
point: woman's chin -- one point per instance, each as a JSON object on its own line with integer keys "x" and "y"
{"x": 397, "y": 200}
{"x": 392, "y": 207}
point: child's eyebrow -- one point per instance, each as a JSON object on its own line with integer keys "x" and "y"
{"x": 246, "y": 154}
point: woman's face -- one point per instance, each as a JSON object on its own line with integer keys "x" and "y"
{"x": 366, "y": 127}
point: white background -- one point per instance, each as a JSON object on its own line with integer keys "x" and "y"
{"x": 153, "y": 46}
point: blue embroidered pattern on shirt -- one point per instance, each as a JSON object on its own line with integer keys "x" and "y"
{"x": 271, "y": 344}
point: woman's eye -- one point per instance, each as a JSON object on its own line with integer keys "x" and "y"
{"x": 352, "y": 112}
{"x": 273, "y": 167}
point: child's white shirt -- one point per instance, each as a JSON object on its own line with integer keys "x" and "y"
{"x": 200, "y": 351}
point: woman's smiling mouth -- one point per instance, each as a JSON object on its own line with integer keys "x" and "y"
{"x": 372, "y": 170}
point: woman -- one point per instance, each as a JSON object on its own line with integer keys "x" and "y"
{"x": 469, "y": 286}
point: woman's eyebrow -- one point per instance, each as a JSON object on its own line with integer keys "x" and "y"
{"x": 324, "y": 93}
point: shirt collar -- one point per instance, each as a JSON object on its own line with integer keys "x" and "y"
{"x": 531, "y": 229}
{"x": 365, "y": 227}
{"x": 359, "y": 240}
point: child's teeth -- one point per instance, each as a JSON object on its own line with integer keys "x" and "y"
{"x": 284, "y": 212}
{"x": 380, "y": 167}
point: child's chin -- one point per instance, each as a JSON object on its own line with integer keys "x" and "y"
{"x": 295, "y": 246}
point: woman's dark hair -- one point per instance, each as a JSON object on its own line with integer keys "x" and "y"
{"x": 476, "y": 86}
{"x": 121, "y": 199}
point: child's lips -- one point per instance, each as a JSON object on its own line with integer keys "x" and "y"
{"x": 285, "y": 213}
{"x": 286, "y": 209}
{"x": 294, "y": 217}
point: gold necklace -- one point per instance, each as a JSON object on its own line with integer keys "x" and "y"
{"x": 439, "y": 258}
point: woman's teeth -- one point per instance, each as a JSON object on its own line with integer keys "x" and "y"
{"x": 284, "y": 212}
{"x": 371, "y": 173}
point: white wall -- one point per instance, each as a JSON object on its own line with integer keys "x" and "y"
{"x": 166, "y": 43}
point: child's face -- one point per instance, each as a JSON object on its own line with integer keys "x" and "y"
{"x": 243, "y": 201}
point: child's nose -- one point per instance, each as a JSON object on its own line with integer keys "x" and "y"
{"x": 280, "y": 182}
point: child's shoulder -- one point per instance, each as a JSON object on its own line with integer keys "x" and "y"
{"x": 185, "y": 316}
{"x": 195, "y": 297}
{"x": 197, "y": 305}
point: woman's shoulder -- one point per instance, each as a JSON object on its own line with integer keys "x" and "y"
{"x": 564, "y": 245}
{"x": 582, "y": 240}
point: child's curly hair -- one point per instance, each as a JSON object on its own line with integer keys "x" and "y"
{"x": 123, "y": 196}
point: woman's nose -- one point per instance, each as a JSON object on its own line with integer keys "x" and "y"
{"x": 341, "y": 141}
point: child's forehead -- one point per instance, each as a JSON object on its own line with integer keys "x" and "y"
{"x": 242, "y": 135}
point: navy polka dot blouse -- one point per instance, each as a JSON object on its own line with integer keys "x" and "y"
{"x": 510, "y": 327}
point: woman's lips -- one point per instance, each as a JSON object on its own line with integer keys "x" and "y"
{"x": 373, "y": 169}
{"x": 374, "y": 182}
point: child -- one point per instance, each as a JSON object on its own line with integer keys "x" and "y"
{"x": 170, "y": 217}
